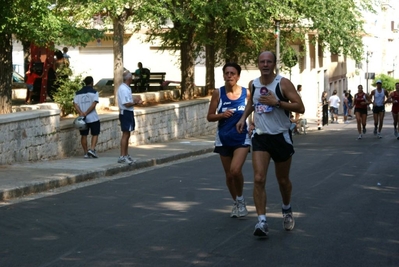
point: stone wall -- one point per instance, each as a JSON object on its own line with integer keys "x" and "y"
{"x": 41, "y": 134}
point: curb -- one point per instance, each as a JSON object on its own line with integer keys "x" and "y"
{"x": 38, "y": 187}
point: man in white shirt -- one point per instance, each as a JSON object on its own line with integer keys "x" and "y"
{"x": 85, "y": 102}
{"x": 126, "y": 115}
{"x": 334, "y": 104}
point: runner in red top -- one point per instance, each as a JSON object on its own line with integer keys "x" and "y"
{"x": 394, "y": 99}
{"x": 361, "y": 101}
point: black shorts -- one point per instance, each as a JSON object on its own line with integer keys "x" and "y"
{"x": 127, "y": 121}
{"x": 227, "y": 151}
{"x": 93, "y": 127}
{"x": 361, "y": 110}
{"x": 279, "y": 146}
{"x": 378, "y": 109}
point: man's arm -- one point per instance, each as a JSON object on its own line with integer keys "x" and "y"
{"x": 295, "y": 103}
{"x": 248, "y": 110}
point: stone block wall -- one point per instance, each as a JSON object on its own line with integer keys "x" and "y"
{"x": 41, "y": 134}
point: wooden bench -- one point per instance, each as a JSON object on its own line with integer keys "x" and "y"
{"x": 143, "y": 83}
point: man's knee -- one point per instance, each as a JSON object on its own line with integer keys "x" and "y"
{"x": 284, "y": 181}
{"x": 259, "y": 180}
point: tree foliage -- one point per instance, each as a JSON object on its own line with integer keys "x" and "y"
{"x": 388, "y": 82}
{"x": 33, "y": 21}
{"x": 240, "y": 30}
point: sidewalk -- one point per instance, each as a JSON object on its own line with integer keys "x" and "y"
{"x": 27, "y": 178}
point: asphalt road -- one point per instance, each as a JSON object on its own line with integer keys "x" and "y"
{"x": 345, "y": 200}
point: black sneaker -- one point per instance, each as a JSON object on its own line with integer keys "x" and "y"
{"x": 92, "y": 153}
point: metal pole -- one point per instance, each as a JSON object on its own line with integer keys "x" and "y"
{"x": 277, "y": 46}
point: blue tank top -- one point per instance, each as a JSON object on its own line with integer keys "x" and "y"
{"x": 227, "y": 134}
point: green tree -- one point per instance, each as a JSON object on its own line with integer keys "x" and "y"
{"x": 388, "y": 82}
{"x": 32, "y": 21}
{"x": 115, "y": 17}
{"x": 238, "y": 31}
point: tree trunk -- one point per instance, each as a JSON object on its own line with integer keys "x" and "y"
{"x": 5, "y": 73}
{"x": 187, "y": 66}
{"x": 119, "y": 30}
{"x": 210, "y": 60}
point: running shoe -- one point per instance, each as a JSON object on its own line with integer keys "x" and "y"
{"x": 359, "y": 137}
{"x": 131, "y": 159}
{"x": 242, "y": 208}
{"x": 379, "y": 135}
{"x": 234, "y": 211}
{"x": 375, "y": 130}
{"x": 289, "y": 221}
{"x": 86, "y": 156}
{"x": 92, "y": 153}
{"x": 395, "y": 132}
{"x": 125, "y": 159}
{"x": 364, "y": 130}
{"x": 261, "y": 229}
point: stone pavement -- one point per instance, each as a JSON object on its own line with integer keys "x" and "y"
{"x": 22, "y": 179}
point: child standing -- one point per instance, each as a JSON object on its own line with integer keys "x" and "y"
{"x": 31, "y": 77}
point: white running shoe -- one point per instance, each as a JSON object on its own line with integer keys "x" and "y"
{"x": 131, "y": 159}
{"x": 379, "y": 135}
{"x": 92, "y": 153}
{"x": 125, "y": 159}
{"x": 261, "y": 229}
{"x": 359, "y": 137}
{"x": 289, "y": 221}
{"x": 242, "y": 208}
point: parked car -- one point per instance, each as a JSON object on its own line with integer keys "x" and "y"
{"x": 18, "y": 81}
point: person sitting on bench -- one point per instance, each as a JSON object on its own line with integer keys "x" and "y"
{"x": 141, "y": 78}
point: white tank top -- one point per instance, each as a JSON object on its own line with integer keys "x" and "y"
{"x": 277, "y": 121}
{"x": 379, "y": 98}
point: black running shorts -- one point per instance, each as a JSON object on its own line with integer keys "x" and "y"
{"x": 279, "y": 146}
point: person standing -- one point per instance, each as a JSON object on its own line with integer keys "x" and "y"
{"x": 85, "y": 102}
{"x": 394, "y": 99}
{"x": 334, "y": 104}
{"x": 324, "y": 102}
{"x": 126, "y": 115}
{"x": 31, "y": 77}
{"x": 65, "y": 54}
{"x": 299, "y": 91}
{"x": 379, "y": 98}
{"x": 226, "y": 107}
{"x": 350, "y": 104}
{"x": 272, "y": 137}
{"x": 346, "y": 108}
{"x": 360, "y": 102}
